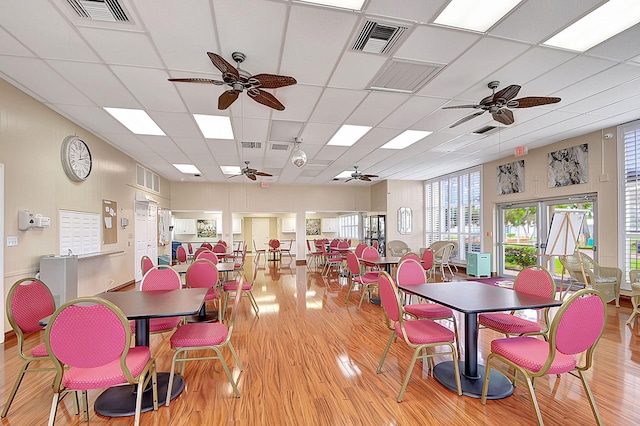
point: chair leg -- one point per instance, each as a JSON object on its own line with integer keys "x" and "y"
{"x": 15, "y": 389}
{"x": 254, "y": 304}
{"x": 225, "y": 367}
{"x": 408, "y": 376}
{"x": 235, "y": 356}
{"x": 629, "y": 321}
{"x": 54, "y": 409}
{"x": 592, "y": 401}
{"x": 85, "y": 405}
{"x": 386, "y": 350}
{"x": 171, "y": 374}
{"x": 455, "y": 331}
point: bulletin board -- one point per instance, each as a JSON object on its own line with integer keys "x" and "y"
{"x": 109, "y": 222}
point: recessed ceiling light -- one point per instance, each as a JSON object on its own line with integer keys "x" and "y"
{"x": 230, "y": 170}
{"x": 136, "y": 120}
{"x": 405, "y": 139}
{"x": 214, "y": 126}
{"x": 475, "y": 15}
{"x": 611, "y": 18}
{"x": 187, "y": 168}
{"x": 343, "y": 4}
{"x": 348, "y": 135}
{"x": 345, "y": 174}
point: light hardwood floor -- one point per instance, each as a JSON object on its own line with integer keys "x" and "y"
{"x": 310, "y": 359}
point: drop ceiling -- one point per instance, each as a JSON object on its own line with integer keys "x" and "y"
{"x": 77, "y": 66}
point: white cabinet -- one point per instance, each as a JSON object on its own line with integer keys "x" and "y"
{"x": 329, "y": 224}
{"x": 236, "y": 224}
{"x": 184, "y": 226}
{"x": 288, "y": 224}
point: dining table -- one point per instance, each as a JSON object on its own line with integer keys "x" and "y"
{"x": 141, "y": 306}
{"x": 471, "y": 298}
{"x": 387, "y": 262}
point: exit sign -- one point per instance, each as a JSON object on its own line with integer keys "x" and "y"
{"x": 521, "y": 150}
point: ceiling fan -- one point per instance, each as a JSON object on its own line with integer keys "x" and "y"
{"x": 498, "y": 104}
{"x": 249, "y": 172}
{"x": 239, "y": 80}
{"x": 358, "y": 175}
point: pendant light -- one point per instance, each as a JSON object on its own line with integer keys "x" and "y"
{"x": 299, "y": 157}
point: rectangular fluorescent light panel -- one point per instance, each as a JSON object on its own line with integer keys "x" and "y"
{"x": 406, "y": 138}
{"x": 610, "y": 19}
{"x": 214, "y": 126}
{"x": 187, "y": 168}
{"x": 230, "y": 170}
{"x": 343, "y": 4}
{"x": 136, "y": 120}
{"x": 345, "y": 174}
{"x": 348, "y": 135}
{"x": 475, "y": 15}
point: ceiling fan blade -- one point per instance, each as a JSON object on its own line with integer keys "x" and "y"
{"x": 462, "y": 106}
{"x": 224, "y": 66}
{"x": 227, "y": 98}
{"x": 365, "y": 178}
{"x": 532, "y": 101}
{"x": 197, "y": 80}
{"x": 251, "y": 176}
{"x": 272, "y": 81}
{"x": 232, "y": 176}
{"x": 507, "y": 93}
{"x": 263, "y": 174}
{"x": 370, "y": 176}
{"x": 349, "y": 180}
{"x": 265, "y": 98}
{"x": 467, "y": 118}
{"x": 503, "y": 116}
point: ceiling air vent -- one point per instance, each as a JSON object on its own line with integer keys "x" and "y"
{"x": 405, "y": 76}
{"x": 252, "y": 145}
{"x": 377, "y": 37}
{"x": 483, "y": 130}
{"x": 100, "y": 10}
{"x": 280, "y": 146}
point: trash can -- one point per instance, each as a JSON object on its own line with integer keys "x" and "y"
{"x": 174, "y": 247}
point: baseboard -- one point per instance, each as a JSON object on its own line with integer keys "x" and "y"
{"x": 301, "y": 262}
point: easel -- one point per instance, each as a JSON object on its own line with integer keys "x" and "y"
{"x": 563, "y": 235}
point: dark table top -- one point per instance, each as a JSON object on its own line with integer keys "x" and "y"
{"x": 384, "y": 260}
{"x": 153, "y": 304}
{"x": 475, "y": 297}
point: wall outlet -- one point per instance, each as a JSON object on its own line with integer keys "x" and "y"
{"x": 12, "y": 241}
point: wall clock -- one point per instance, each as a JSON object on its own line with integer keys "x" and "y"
{"x": 76, "y": 158}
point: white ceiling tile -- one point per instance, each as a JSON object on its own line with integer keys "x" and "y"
{"x": 412, "y": 10}
{"x": 424, "y": 44}
{"x": 176, "y": 125}
{"x": 336, "y": 104}
{"x": 150, "y": 87}
{"x": 375, "y": 107}
{"x": 411, "y": 112}
{"x": 109, "y": 45}
{"x": 356, "y": 69}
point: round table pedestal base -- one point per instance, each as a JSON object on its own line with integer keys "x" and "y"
{"x": 120, "y": 401}
{"x": 499, "y": 384}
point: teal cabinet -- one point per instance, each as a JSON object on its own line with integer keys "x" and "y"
{"x": 478, "y": 264}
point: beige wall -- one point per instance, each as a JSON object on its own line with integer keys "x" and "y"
{"x": 603, "y": 181}
{"x": 31, "y": 136}
{"x": 406, "y": 194}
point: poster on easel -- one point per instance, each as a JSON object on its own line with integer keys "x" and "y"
{"x": 563, "y": 233}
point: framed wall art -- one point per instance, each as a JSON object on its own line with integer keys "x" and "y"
{"x": 569, "y": 166}
{"x": 510, "y": 178}
{"x": 313, "y": 226}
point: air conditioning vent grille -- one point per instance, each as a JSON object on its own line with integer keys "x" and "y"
{"x": 279, "y": 146}
{"x": 99, "y": 10}
{"x": 405, "y": 76}
{"x": 376, "y": 37}
{"x": 252, "y": 145}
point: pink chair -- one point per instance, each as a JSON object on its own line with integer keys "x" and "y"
{"x": 274, "y": 249}
{"x": 427, "y": 260}
{"x": 410, "y": 272}
{"x": 421, "y": 335}
{"x": 29, "y": 300}
{"x": 332, "y": 260}
{"x": 359, "y": 248}
{"x": 576, "y": 329}
{"x": 238, "y": 265}
{"x": 258, "y": 251}
{"x": 190, "y": 250}
{"x": 220, "y": 248}
{"x": 181, "y": 254}
{"x": 209, "y": 255}
{"x": 287, "y": 250}
{"x": 358, "y": 278}
{"x": 313, "y": 255}
{"x": 90, "y": 342}
{"x": 202, "y": 273}
{"x": 247, "y": 289}
{"x": 205, "y": 336}
{"x": 207, "y": 246}
{"x": 371, "y": 271}
{"x": 145, "y": 264}
{"x": 533, "y": 280}
{"x": 160, "y": 278}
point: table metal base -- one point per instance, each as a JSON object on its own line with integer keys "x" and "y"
{"x": 120, "y": 401}
{"x": 499, "y": 384}
{"x": 209, "y": 316}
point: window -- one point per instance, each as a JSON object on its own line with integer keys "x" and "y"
{"x": 348, "y": 226}
{"x": 629, "y": 134}
{"x": 147, "y": 179}
{"x": 452, "y": 210}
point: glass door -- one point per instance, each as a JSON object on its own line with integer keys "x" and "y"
{"x": 517, "y": 238}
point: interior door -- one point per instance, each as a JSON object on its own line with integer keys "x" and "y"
{"x": 146, "y": 216}
{"x": 260, "y": 232}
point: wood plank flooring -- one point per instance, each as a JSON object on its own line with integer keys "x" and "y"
{"x": 310, "y": 359}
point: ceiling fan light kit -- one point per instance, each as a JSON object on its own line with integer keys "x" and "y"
{"x": 299, "y": 157}
{"x": 358, "y": 175}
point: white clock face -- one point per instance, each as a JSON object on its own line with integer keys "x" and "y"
{"x": 76, "y": 158}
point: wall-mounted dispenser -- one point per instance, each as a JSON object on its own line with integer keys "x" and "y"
{"x": 42, "y": 221}
{"x": 26, "y": 220}
{"x": 124, "y": 222}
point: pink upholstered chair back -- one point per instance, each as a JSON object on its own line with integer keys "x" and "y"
{"x": 370, "y": 253}
{"x": 146, "y": 264}
{"x": 29, "y": 300}
{"x": 536, "y": 281}
{"x": 160, "y": 278}
{"x": 579, "y": 323}
{"x": 359, "y": 248}
{"x": 427, "y": 259}
{"x": 334, "y": 243}
{"x": 209, "y": 255}
{"x": 219, "y": 248}
{"x": 223, "y": 242}
{"x": 389, "y": 297}
{"x": 190, "y": 248}
{"x": 343, "y": 245}
{"x": 206, "y": 245}
{"x": 353, "y": 264}
{"x": 274, "y": 244}
{"x": 410, "y": 272}
{"x": 375, "y": 245}
{"x": 202, "y": 274}
{"x": 181, "y": 254}
{"x": 88, "y": 332}
{"x": 410, "y": 255}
